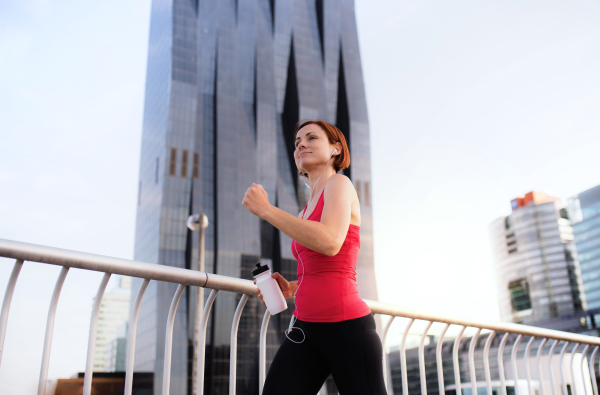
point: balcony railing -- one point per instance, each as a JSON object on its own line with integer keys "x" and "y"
{"x": 23, "y": 252}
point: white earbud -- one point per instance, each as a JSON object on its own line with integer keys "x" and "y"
{"x": 334, "y": 151}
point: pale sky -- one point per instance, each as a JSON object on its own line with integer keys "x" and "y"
{"x": 471, "y": 104}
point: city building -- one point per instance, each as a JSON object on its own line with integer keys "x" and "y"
{"x": 537, "y": 273}
{"x": 226, "y": 84}
{"x": 116, "y": 351}
{"x": 584, "y": 210}
{"x": 114, "y": 311}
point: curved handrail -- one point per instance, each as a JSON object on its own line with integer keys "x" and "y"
{"x": 82, "y": 260}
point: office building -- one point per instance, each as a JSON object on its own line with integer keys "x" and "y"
{"x": 537, "y": 273}
{"x": 116, "y": 351}
{"x": 114, "y": 312}
{"x": 226, "y": 83}
{"x": 584, "y": 210}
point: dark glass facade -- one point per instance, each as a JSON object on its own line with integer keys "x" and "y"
{"x": 584, "y": 210}
{"x": 226, "y": 83}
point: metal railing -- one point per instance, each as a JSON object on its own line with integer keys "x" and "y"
{"x": 67, "y": 259}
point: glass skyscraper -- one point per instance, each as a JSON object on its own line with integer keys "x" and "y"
{"x": 226, "y": 83}
{"x": 538, "y": 279}
{"x": 584, "y": 210}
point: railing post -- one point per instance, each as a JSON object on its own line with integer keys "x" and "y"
{"x": 89, "y": 366}
{"x": 8, "y": 294}
{"x": 262, "y": 354}
{"x": 550, "y": 355}
{"x": 422, "y": 372}
{"x": 573, "y": 389}
{"x": 131, "y": 334}
{"x": 526, "y": 360}
{"x": 403, "y": 358}
{"x": 388, "y": 386}
{"x": 169, "y": 340}
{"x": 472, "y": 361}
{"x": 440, "y": 365}
{"x": 539, "y": 365}
{"x": 486, "y": 361}
{"x": 202, "y": 345}
{"x": 233, "y": 342}
{"x": 583, "y": 354}
{"x": 50, "y": 329}
{"x": 455, "y": 361}
{"x": 562, "y": 374}
{"x": 501, "y": 362}
{"x": 514, "y": 363}
{"x": 593, "y": 370}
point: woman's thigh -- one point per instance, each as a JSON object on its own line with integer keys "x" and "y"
{"x": 355, "y": 357}
{"x": 297, "y": 369}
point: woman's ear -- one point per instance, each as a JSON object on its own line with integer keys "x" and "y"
{"x": 338, "y": 147}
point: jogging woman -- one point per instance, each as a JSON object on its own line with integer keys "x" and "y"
{"x": 332, "y": 329}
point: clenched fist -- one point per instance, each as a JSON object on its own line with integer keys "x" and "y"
{"x": 256, "y": 200}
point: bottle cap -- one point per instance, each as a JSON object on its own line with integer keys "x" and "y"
{"x": 260, "y": 270}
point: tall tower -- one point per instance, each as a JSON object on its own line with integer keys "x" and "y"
{"x": 226, "y": 83}
{"x": 537, "y": 272}
{"x": 584, "y": 211}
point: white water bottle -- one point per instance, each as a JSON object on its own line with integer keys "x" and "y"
{"x": 269, "y": 288}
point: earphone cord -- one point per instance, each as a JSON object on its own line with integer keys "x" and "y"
{"x": 293, "y": 319}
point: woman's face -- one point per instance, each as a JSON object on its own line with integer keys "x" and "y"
{"x": 312, "y": 148}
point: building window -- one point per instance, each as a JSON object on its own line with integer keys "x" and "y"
{"x": 507, "y": 223}
{"x": 184, "y": 160}
{"x": 156, "y": 172}
{"x": 173, "y": 162}
{"x": 367, "y": 194}
{"x": 196, "y": 165}
{"x": 519, "y": 295}
{"x": 358, "y": 190}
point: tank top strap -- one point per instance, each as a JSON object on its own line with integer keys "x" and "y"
{"x": 318, "y": 211}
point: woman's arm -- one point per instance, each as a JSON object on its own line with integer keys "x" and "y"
{"x": 326, "y": 236}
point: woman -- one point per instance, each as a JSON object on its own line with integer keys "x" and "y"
{"x": 332, "y": 329}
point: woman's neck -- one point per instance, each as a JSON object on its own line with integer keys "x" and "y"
{"x": 317, "y": 180}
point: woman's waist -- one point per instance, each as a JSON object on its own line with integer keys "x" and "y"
{"x": 318, "y": 306}
{"x": 327, "y": 274}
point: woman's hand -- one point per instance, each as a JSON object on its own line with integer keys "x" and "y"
{"x": 287, "y": 287}
{"x": 256, "y": 200}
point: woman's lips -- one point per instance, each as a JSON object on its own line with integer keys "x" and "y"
{"x": 304, "y": 153}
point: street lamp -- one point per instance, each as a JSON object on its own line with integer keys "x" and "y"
{"x": 198, "y": 222}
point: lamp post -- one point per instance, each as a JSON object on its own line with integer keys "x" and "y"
{"x": 198, "y": 222}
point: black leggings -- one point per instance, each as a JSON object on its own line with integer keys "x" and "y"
{"x": 348, "y": 350}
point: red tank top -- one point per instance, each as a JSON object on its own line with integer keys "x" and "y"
{"x": 328, "y": 292}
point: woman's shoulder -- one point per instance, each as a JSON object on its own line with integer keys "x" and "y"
{"x": 339, "y": 181}
{"x": 339, "y": 184}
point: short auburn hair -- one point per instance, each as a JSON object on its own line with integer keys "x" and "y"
{"x": 334, "y": 135}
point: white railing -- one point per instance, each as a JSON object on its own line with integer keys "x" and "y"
{"x": 23, "y": 252}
